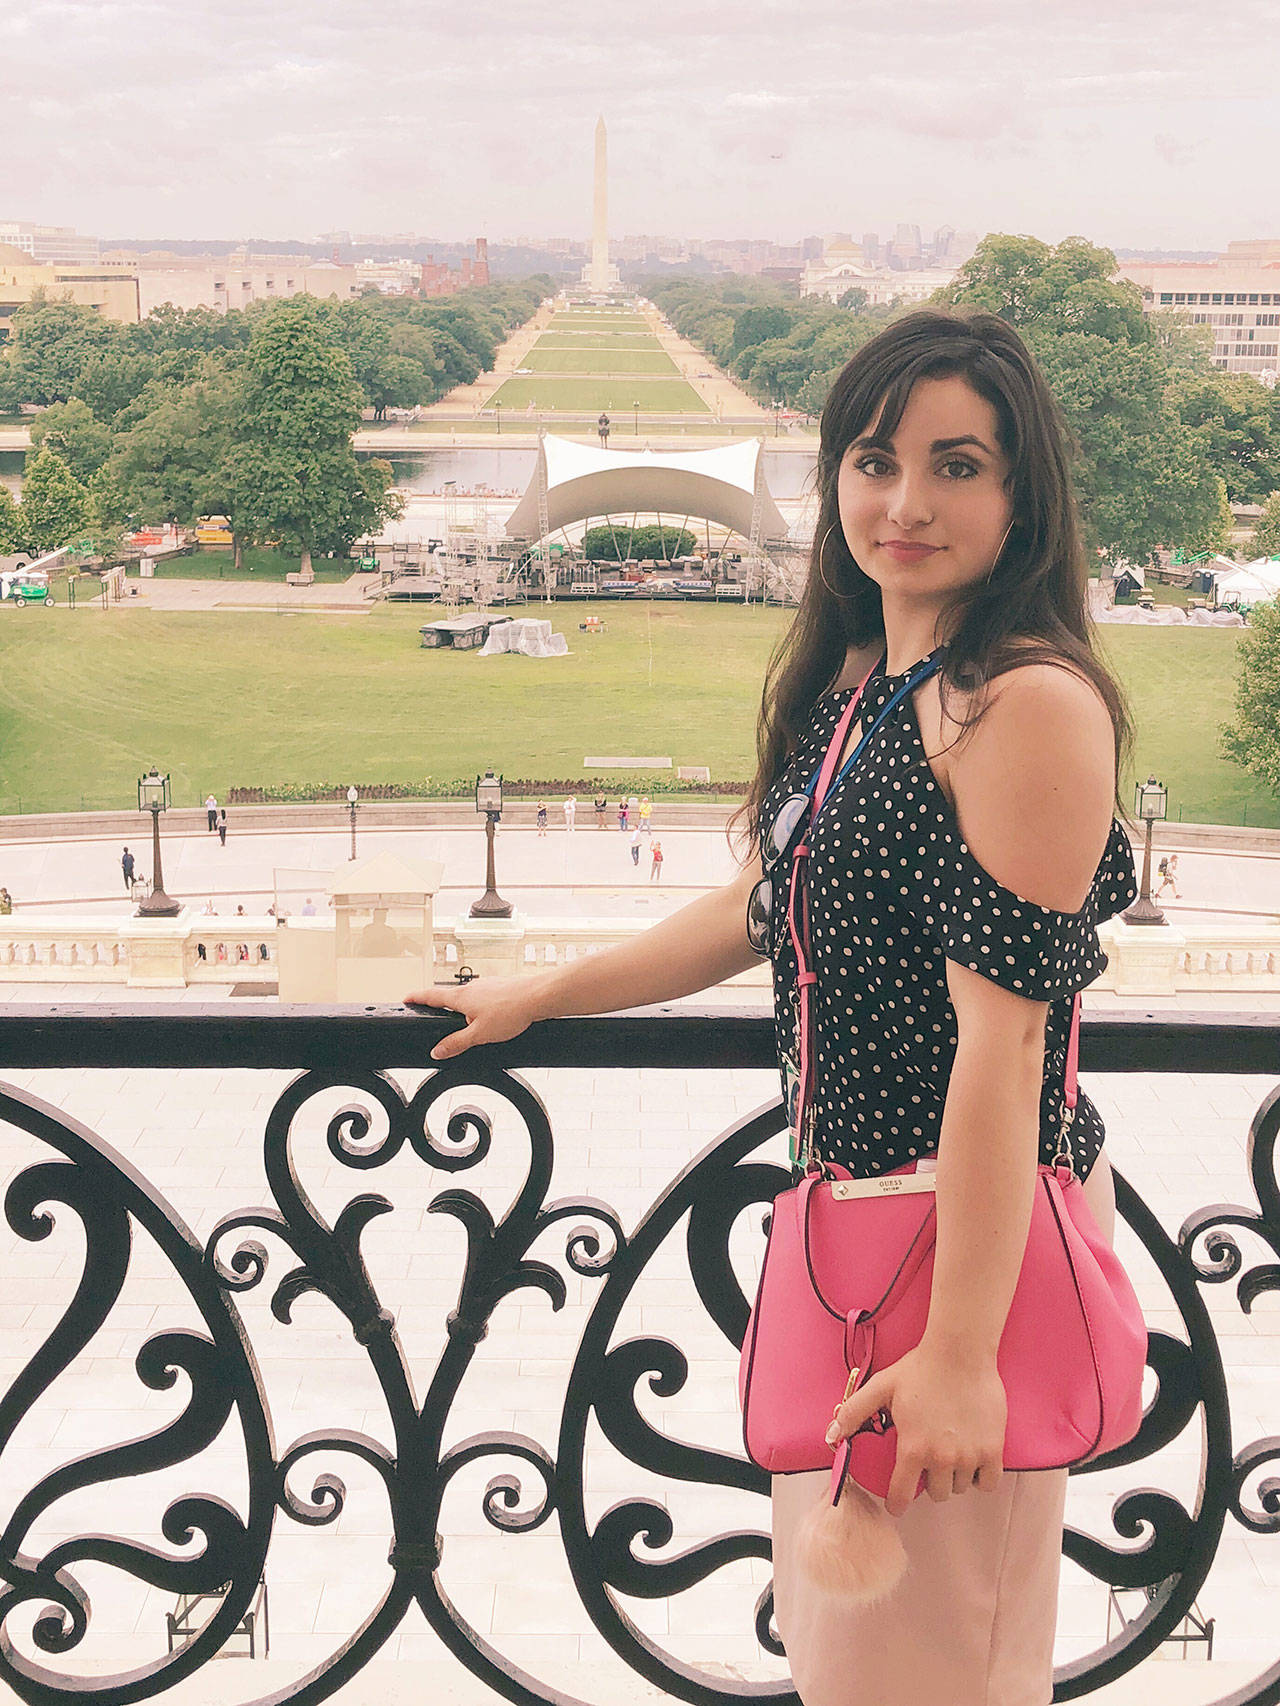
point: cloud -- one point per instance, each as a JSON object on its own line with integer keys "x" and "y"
{"x": 228, "y": 117}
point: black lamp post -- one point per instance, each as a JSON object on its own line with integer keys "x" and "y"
{"x": 353, "y": 801}
{"x": 489, "y": 801}
{"x": 635, "y": 418}
{"x": 498, "y": 411}
{"x": 153, "y": 797}
{"x": 777, "y": 418}
{"x": 1150, "y": 803}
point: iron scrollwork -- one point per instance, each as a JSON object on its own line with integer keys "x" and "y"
{"x": 628, "y": 1552}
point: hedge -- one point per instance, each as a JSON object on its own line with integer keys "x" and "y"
{"x": 464, "y": 788}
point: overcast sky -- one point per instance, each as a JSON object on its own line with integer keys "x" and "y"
{"x": 1150, "y": 123}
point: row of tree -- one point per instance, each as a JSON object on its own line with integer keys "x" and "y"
{"x": 403, "y": 351}
{"x": 248, "y": 415}
{"x": 1166, "y": 442}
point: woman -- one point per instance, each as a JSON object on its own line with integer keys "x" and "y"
{"x": 956, "y": 879}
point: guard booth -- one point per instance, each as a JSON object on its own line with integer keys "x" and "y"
{"x": 374, "y": 943}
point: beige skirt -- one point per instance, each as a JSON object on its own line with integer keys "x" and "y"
{"x": 972, "y": 1622}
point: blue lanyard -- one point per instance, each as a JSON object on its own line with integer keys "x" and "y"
{"x": 931, "y": 665}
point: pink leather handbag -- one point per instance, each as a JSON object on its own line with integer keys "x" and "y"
{"x": 845, "y": 1291}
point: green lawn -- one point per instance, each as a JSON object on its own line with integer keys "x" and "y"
{"x": 87, "y": 696}
{"x": 1181, "y": 683}
{"x": 655, "y": 396}
{"x": 560, "y": 360}
{"x": 606, "y": 342}
{"x": 632, "y": 323}
{"x": 215, "y": 563}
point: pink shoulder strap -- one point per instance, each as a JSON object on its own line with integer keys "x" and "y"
{"x": 836, "y": 747}
{"x": 1073, "y": 1055}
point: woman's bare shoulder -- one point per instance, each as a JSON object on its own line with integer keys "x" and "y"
{"x": 858, "y": 662}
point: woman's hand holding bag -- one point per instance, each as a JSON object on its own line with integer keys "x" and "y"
{"x": 949, "y": 1414}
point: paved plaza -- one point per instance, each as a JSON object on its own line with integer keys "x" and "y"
{"x": 579, "y": 874}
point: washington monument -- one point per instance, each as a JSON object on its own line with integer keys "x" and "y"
{"x": 598, "y": 274}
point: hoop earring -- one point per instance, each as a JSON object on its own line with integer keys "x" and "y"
{"x": 1000, "y": 553}
{"x": 821, "y": 551}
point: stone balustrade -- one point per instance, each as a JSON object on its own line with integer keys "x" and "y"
{"x": 1143, "y": 960}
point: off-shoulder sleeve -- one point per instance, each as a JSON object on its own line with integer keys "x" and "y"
{"x": 1033, "y": 950}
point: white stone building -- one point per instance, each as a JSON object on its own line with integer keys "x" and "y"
{"x": 844, "y": 266}
{"x": 1238, "y": 296}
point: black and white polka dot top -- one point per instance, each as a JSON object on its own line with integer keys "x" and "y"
{"x": 895, "y": 893}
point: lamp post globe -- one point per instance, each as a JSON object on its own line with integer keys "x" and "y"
{"x": 153, "y": 797}
{"x": 489, "y": 801}
{"x": 1151, "y": 805}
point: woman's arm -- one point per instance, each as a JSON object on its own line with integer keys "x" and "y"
{"x": 1033, "y": 793}
{"x": 702, "y": 944}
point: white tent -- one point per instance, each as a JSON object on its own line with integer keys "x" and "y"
{"x": 1246, "y": 584}
{"x": 529, "y": 635}
{"x": 581, "y": 481}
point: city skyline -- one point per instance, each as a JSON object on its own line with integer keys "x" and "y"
{"x": 154, "y": 117}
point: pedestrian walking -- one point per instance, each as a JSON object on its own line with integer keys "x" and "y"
{"x": 542, "y": 818}
{"x": 601, "y": 804}
{"x": 126, "y": 865}
{"x": 222, "y": 826}
{"x": 949, "y": 586}
{"x": 635, "y": 846}
{"x": 602, "y": 427}
{"x": 655, "y": 862}
{"x": 623, "y": 815}
{"x": 570, "y": 810}
{"x": 646, "y": 812}
{"x": 1168, "y": 873}
{"x": 211, "y": 811}
{"x": 6, "y": 903}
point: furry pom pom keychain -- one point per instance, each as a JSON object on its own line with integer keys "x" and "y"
{"x": 849, "y": 1547}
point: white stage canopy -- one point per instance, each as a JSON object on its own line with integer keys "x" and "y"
{"x": 712, "y": 485}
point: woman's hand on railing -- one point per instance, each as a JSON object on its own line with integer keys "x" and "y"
{"x": 496, "y": 1009}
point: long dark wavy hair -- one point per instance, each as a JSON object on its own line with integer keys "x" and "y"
{"x": 1032, "y": 607}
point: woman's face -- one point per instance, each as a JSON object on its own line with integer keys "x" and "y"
{"x": 925, "y": 516}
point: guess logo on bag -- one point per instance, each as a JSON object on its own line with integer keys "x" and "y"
{"x": 888, "y": 1185}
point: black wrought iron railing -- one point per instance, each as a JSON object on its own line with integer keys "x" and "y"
{"x": 214, "y": 1550}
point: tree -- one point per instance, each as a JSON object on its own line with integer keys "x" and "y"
{"x": 1266, "y": 536}
{"x": 290, "y": 472}
{"x": 1216, "y": 535}
{"x": 79, "y": 438}
{"x": 1142, "y": 477}
{"x": 1067, "y": 288}
{"x": 619, "y": 544}
{"x": 1235, "y": 418}
{"x": 169, "y": 461}
{"x": 50, "y": 346}
{"x": 755, "y": 325}
{"x": 55, "y": 506}
{"x": 1185, "y": 345}
{"x": 1252, "y": 737}
{"x": 10, "y": 523}
{"x": 854, "y": 297}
